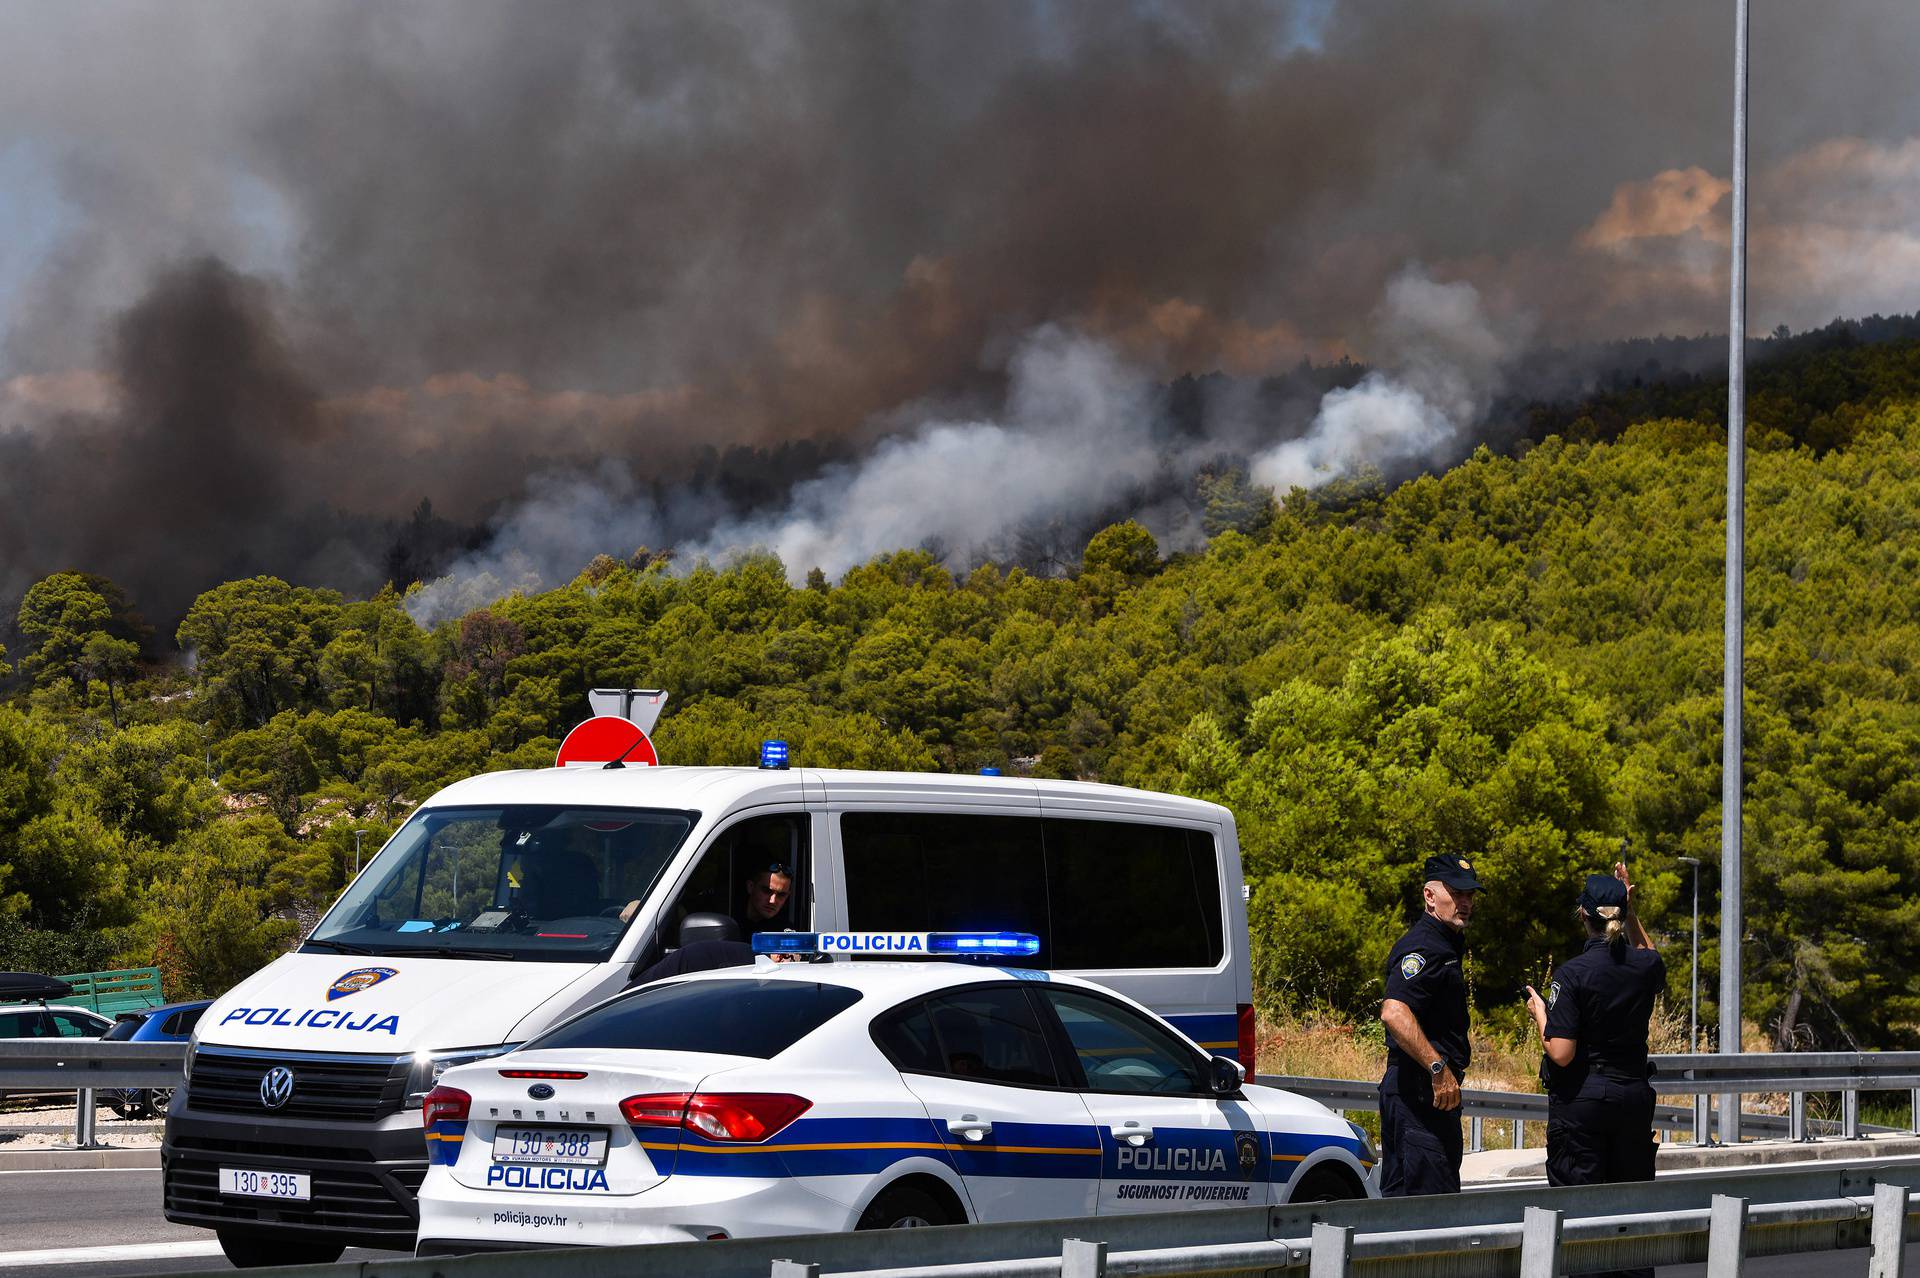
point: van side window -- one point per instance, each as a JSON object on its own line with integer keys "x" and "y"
{"x": 1126, "y": 894}
{"x": 945, "y": 871}
{"x": 741, "y": 856}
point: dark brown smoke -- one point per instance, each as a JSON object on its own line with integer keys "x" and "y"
{"x": 470, "y": 241}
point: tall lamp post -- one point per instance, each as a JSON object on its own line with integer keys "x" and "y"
{"x": 1731, "y": 927}
{"x": 1693, "y": 979}
{"x": 361, "y": 834}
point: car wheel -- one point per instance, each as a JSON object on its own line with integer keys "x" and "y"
{"x": 904, "y": 1207}
{"x": 158, "y": 1100}
{"x": 1328, "y": 1184}
{"x": 125, "y": 1103}
{"x": 259, "y": 1251}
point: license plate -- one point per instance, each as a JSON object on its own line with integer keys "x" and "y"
{"x": 578, "y": 1146}
{"x": 258, "y": 1184}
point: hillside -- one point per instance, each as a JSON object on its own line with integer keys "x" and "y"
{"x": 1517, "y": 660}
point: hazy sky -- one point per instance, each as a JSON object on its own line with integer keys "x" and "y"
{"x": 373, "y": 252}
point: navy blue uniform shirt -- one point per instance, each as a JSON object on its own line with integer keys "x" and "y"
{"x": 1424, "y": 971}
{"x": 1602, "y": 998}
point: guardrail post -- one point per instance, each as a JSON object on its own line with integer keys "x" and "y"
{"x": 1889, "y": 1238}
{"x": 1727, "y": 1237}
{"x": 1797, "y": 1117}
{"x": 1474, "y": 1132}
{"x": 794, "y": 1269}
{"x": 83, "y": 1120}
{"x": 1332, "y": 1252}
{"x": 1850, "y": 1114}
{"x": 1540, "y": 1243}
{"x": 1702, "y": 1121}
{"x": 1913, "y": 1115}
{"x": 1082, "y": 1259}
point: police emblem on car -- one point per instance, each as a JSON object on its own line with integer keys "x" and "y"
{"x": 276, "y": 1087}
{"x": 1247, "y": 1145}
{"x": 360, "y": 978}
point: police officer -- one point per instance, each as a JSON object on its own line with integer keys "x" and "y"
{"x": 1425, "y": 1014}
{"x": 1593, "y": 1026}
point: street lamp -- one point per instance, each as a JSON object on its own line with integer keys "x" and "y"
{"x": 1693, "y": 996}
{"x": 361, "y": 834}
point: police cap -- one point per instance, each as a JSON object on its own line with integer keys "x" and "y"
{"x": 1454, "y": 871}
{"x": 1602, "y": 890}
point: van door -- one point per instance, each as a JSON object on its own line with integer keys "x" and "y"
{"x": 944, "y": 871}
{"x": 1168, "y": 1142}
{"x": 979, "y": 1060}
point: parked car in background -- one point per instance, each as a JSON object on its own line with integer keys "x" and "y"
{"x": 172, "y": 1023}
{"x": 33, "y": 1017}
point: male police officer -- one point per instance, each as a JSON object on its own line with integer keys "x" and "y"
{"x": 1425, "y": 1013}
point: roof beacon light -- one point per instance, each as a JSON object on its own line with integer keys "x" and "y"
{"x": 773, "y": 754}
{"x": 900, "y": 944}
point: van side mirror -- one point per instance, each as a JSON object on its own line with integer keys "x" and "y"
{"x": 1226, "y": 1077}
{"x": 704, "y": 926}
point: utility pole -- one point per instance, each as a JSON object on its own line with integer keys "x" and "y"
{"x": 1693, "y": 980}
{"x": 1731, "y": 924}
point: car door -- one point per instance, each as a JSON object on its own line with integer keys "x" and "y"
{"x": 1168, "y": 1142}
{"x": 978, "y": 1058}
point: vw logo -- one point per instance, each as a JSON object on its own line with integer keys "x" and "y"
{"x": 276, "y": 1087}
{"x": 541, "y": 1091}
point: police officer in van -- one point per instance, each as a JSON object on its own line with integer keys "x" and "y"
{"x": 1425, "y": 1014}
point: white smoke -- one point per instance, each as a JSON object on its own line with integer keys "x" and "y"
{"x": 565, "y": 520}
{"x": 1076, "y": 435}
{"x": 1441, "y": 359}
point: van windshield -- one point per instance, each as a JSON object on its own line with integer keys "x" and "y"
{"x": 526, "y": 882}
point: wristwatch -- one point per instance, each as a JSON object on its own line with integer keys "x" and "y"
{"x": 1437, "y": 1068}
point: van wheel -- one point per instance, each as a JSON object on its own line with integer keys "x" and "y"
{"x": 1329, "y": 1184}
{"x": 904, "y": 1207}
{"x": 259, "y": 1251}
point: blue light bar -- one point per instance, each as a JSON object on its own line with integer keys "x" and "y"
{"x": 900, "y": 944}
{"x": 1022, "y": 944}
{"x": 773, "y": 754}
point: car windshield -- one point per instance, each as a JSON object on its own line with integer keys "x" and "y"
{"x": 526, "y": 882}
{"x": 734, "y": 1018}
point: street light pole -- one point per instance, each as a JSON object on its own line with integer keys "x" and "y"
{"x": 1693, "y": 978}
{"x": 357, "y": 836}
{"x": 1731, "y": 926}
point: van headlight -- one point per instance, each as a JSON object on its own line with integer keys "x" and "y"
{"x": 429, "y": 1066}
{"x": 186, "y": 1066}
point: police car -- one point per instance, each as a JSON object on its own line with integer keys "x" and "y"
{"x": 790, "y": 1097}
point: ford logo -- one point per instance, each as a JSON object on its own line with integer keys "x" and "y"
{"x": 541, "y": 1091}
{"x": 276, "y": 1087}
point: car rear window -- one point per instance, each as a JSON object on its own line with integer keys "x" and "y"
{"x": 734, "y": 1018}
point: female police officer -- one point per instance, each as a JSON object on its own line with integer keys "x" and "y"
{"x": 1593, "y": 1024}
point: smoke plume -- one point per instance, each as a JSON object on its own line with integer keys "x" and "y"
{"x": 463, "y": 251}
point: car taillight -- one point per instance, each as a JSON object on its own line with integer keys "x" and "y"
{"x": 443, "y": 1104}
{"x": 656, "y": 1111}
{"x": 738, "y": 1116}
{"x": 1247, "y": 1045}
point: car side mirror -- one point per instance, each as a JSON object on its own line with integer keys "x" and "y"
{"x": 1225, "y": 1078}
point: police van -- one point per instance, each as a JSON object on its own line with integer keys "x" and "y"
{"x": 510, "y": 901}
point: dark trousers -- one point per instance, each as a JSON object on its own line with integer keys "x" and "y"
{"x": 1603, "y": 1136}
{"x": 1420, "y": 1146}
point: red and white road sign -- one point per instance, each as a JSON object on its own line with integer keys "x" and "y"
{"x": 604, "y": 738}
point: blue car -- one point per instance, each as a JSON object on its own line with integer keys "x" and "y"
{"x": 170, "y": 1023}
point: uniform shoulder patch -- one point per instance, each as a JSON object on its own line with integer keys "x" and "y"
{"x": 1553, "y": 993}
{"x": 1410, "y": 965}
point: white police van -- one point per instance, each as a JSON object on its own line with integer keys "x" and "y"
{"x": 826, "y": 1096}
{"x": 497, "y": 911}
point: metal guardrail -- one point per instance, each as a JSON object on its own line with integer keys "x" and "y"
{"x": 84, "y": 1066}
{"x": 1719, "y": 1217}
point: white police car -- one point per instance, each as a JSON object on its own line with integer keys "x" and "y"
{"x": 794, "y": 1097}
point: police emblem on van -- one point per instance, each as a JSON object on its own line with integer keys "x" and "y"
{"x": 360, "y": 978}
